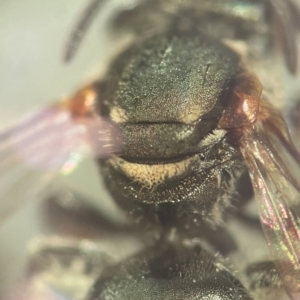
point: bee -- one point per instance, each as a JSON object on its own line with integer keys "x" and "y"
{"x": 183, "y": 115}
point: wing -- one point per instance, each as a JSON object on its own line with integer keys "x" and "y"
{"x": 48, "y": 142}
{"x": 277, "y": 194}
{"x": 274, "y": 166}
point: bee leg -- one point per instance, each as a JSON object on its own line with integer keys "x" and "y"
{"x": 69, "y": 213}
{"x": 244, "y": 191}
{"x": 59, "y": 268}
{"x": 264, "y": 279}
{"x": 263, "y": 275}
{"x": 140, "y": 19}
{"x": 219, "y": 239}
{"x": 284, "y": 17}
{"x": 244, "y": 207}
{"x": 295, "y": 121}
{"x": 66, "y": 268}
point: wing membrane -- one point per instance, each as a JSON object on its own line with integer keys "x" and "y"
{"x": 277, "y": 192}
{"x": 46, "y": 143}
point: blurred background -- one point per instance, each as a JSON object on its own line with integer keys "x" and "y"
{"x": 32, "y": 74}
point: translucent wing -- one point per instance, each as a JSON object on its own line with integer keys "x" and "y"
{"x": 277, "y": 194}
{"x": 274, "y": 166}
{"x": 48, "y": 142}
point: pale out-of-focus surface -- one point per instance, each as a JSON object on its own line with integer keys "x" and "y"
{"x": 33, "y": 35}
